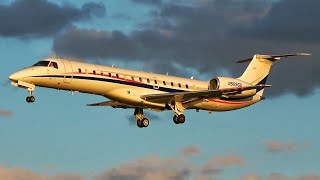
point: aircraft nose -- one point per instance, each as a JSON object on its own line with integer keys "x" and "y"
{"x": 14, "y": 77}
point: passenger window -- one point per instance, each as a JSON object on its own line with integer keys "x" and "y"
{"x": 148, "y": 80}
{"x": 110, "y": 75}
{"x": 79, "y": 70}
{"x": 171, "y": 83}
{"x": 140, "y": 79}
{"x": 94, "y": 72}
{"x": 132, "y": 78}
{"x": 53, "y": 65}
{"x": 117, "y": 75}
{"x": 179, "y": 85}
{"x": 102, "y": 73}
{"x": 164, "y": 83}
{"x": 187, "y": 86}
{"x": 155, "y": 81}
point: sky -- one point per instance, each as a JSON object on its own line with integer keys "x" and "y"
{"x": 59, "y": 137}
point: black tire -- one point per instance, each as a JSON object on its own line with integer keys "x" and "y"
{"x": 181, "y": 119}
{"x": 145, "y": 122}
{"x": 139, "y": 124}
{"x": 175, "y": 119}
{"x": 28, "y": 99}
{"x": 32, "y": 99}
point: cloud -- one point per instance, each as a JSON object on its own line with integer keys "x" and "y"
{"x": 190, "y": 150}
{"x": 278, "y": 176}
{"x": 41, "y": 18}
{"x": 6, "y": 113}
{"x": 280, "y": 146}
{"x": 153, "y": 167}
{"x": 216, "y": 164}
{"x": 7, "y": 173}
{"x": 149, "y": 2}
{"x": 212, "y": 37}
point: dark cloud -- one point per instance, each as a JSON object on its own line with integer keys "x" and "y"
{"x": 41, "y": 18}
{"x": 210, "y": 36}
{"x": 149, "y": 2}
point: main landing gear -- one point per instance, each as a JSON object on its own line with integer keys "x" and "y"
{"x": 141, "y": 120}
{"x": 178, "y": 109}
{"x": 30, "y": 98}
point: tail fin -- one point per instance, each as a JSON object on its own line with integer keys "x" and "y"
{"x": 259, "y": 67}
{"x": 258, "y": 70}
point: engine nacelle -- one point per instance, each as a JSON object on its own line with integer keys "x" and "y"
{"x": 225, "y": 82}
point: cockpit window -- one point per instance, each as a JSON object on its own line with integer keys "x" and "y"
{"x": 53, "y": 65}
{"x": 42, "y": 63}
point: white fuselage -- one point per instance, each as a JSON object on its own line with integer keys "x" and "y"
{"x": 123, "y": 85}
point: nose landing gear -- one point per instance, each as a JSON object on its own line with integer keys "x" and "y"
{"x": 30, "y": 98}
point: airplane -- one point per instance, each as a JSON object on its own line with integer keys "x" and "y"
{"x": 138, "y": 90}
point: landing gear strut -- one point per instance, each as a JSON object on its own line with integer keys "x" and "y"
{"x": 178, "y": 109}
{"x": 141, "y": 120}
{"x": 30, "y": 98}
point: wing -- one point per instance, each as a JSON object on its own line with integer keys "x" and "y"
{"x": 114, "y": 104}
{"x": 194, "y": 95}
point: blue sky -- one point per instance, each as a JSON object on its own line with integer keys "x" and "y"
{"x": 59, "y": 137}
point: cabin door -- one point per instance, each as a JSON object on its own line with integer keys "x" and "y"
{"x": 68, "y": 71}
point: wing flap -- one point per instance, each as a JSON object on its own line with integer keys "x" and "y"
{"x": 114, "y": 104}
{"x": 194, "y": 95}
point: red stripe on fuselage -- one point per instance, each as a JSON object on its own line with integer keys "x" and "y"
{"x": 229, "y": 102}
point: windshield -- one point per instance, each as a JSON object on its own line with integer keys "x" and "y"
{"x": 42, "y": 63}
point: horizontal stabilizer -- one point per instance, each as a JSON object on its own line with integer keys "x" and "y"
{"x": 273, "y": 57}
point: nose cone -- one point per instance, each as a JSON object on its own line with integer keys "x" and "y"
{"x": 14, "y": 77}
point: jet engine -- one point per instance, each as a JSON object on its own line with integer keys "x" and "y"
{"x": 225, "y": 82}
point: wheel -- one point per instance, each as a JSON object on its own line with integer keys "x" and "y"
{"x": 181, "y": 118}
{"x": 145, "y": 122}
{"x": 32, "y": 99}
{"x": 175, "y": 119}
{"x": 139, "y": 123}
{"x": 28, "y": 99}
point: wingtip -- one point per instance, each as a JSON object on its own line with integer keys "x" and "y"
{"x": 304, "y": 54}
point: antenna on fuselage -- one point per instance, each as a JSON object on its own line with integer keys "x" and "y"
{"x": 191, "y": 77}
{"x": 167, "y": 73}
{"x": 112, "y": 65}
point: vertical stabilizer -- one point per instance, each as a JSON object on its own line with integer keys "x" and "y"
{"x": 258, "y": 70}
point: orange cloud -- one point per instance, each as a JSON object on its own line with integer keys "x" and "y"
{"x": 280, "y": 146}
{"x": 191, "y": 150}
{"x": 7, "y": 173}
{"x": 5, "y": 113}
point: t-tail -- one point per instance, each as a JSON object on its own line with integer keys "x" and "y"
{"x": 259, "y": 68}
